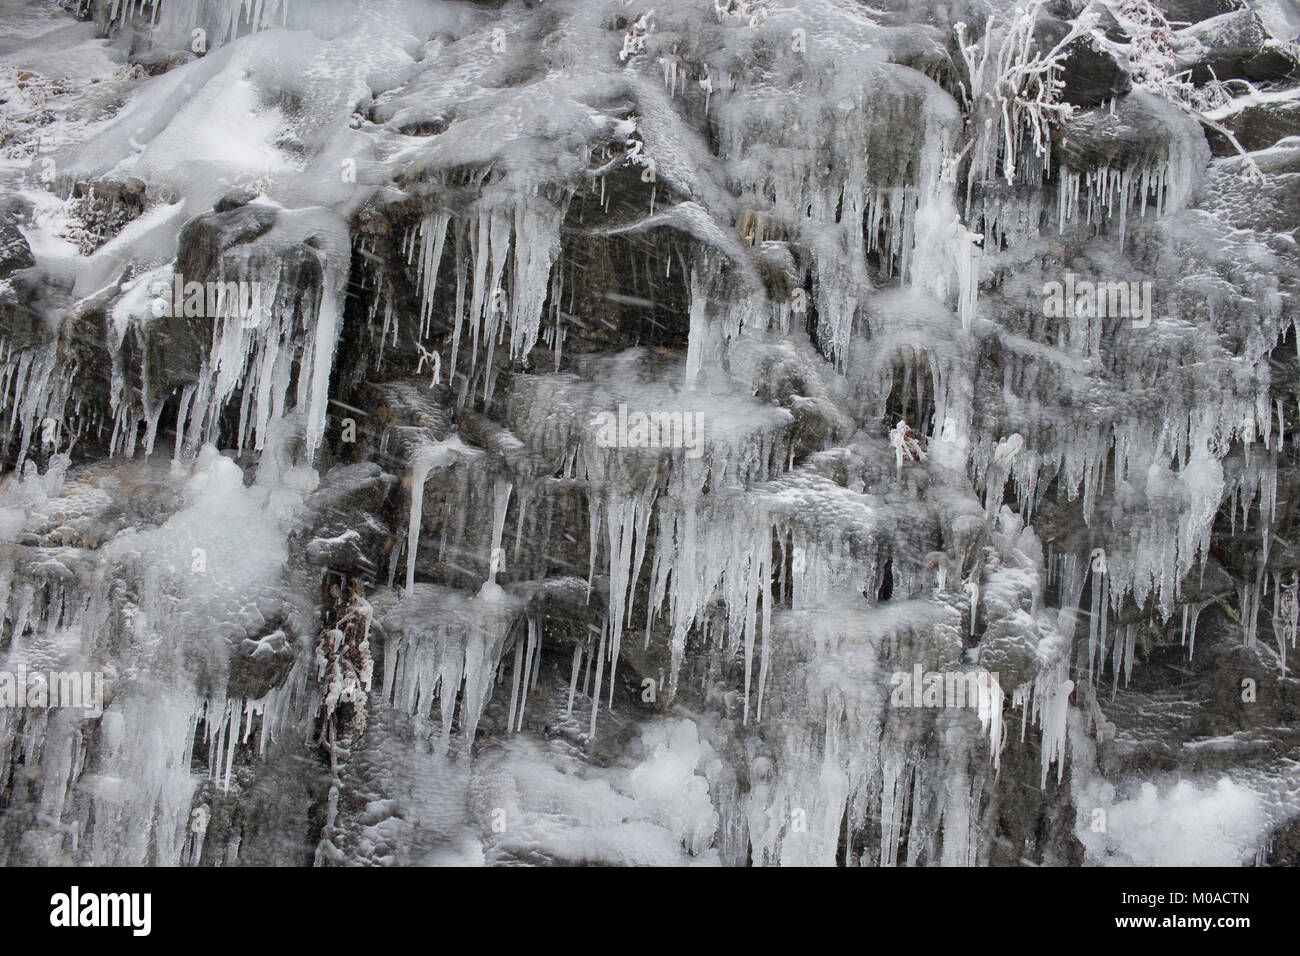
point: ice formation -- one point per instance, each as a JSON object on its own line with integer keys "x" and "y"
{"x": 612, "y": 434}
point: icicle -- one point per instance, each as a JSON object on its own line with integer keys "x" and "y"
{"x": 972, "y": 587}
{"x": 514, "y": 683}
{"x": 600, "y": 670}
{"x": 990, "y": 713}
{"x": 531, "y": 654}
{"x": 490, "y": 589}
{"x": 573, "y": 677}
{"x": 420, "y": 468}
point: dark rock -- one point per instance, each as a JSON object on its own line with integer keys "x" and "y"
{"x": 116, "y": 187}
{"x": 1258, "y": 127}
{"x": 1233, "y": 45}
{"x": 15, "y": 253}
{"x": 503, "y": 446}
{"x": 921, "y": 47}
{"x": 258, "y": 664}
{"x": 1284, "y": 846}
{"x": 1008, "y": 654}
{"x": 178, "y": 345}
{"x": 1142, "y": 130}
{"x": 817, "y": 424}
{"x": 1093, "y": 74}
{"x": 347, "y": 533}
{"x": 155, "y": 61}
{"x": 430, "y": 126}
{"x": 1194, "y": 11}
{"x": 205, "y": 237}
{"x": 24, "y": 307}
{"x": 234, "y": 199}
{"x": 1093, "y": 71}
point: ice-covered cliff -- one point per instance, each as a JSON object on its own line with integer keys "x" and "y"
{"x": 703, "y": 432}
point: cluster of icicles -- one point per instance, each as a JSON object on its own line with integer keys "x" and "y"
{"x": 504, "y": 259}
{"x": 173, "y": 16}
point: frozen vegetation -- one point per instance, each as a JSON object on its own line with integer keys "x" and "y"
{"x": 569, "y": 431}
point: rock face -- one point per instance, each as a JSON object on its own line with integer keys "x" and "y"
{"x": 1259, "y": 127}
{"x": 15, "y": 253}
{"x": 1092, "y": 72}
{"x": 513, "y": 432}
{"x": 1231, "y": 45}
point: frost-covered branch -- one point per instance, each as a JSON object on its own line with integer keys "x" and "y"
{"x": 906, "y": 446}
{"x": 1153, "y": 67}
{"x": 1014, "y": 89}
{"x": 1254, "y": 97}
{"x": 345, "y": 668}
{"x": 343, "y": 661}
